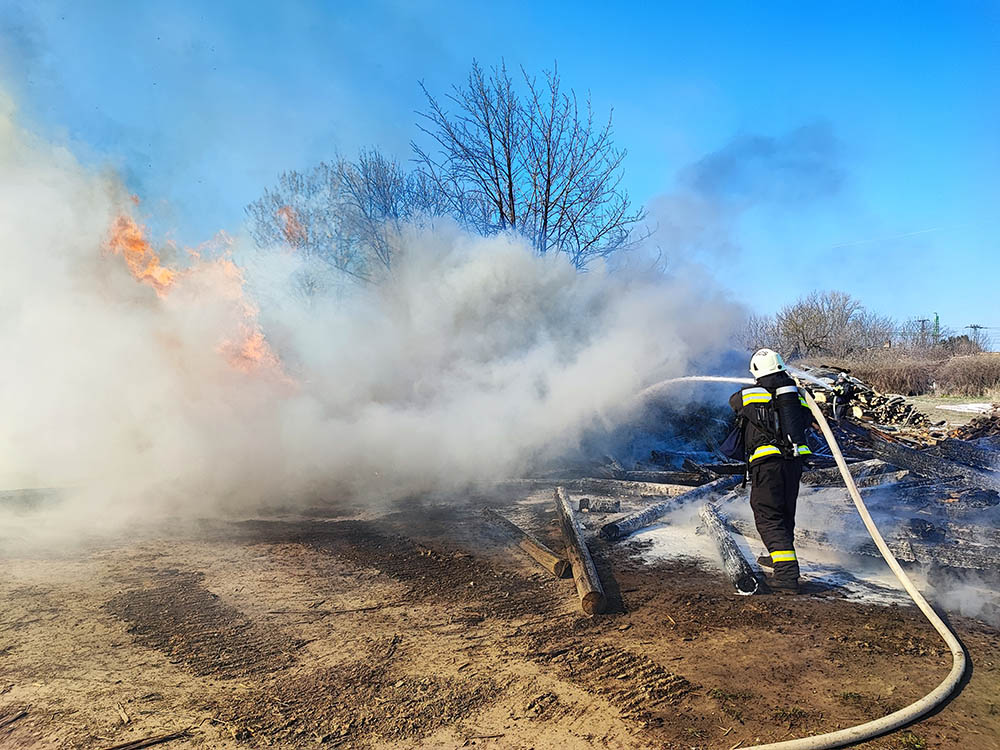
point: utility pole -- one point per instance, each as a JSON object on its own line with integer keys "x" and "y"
{"x": 923, "y": 331}
{"x": 976, "y": 337}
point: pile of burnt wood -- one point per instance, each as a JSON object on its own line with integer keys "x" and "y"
{"x": 938, "y": 506}
{"x": 866, "y": 404}
{"x": 985, "y": 426}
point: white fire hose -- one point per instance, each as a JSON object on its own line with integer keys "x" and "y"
{"x": 914, "y": 711}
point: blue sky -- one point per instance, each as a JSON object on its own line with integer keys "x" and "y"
{"x": 843, "y": 136}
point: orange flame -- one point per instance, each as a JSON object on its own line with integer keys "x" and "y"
{"x": 127, "y": 239}
{"x": 252, "y": 352}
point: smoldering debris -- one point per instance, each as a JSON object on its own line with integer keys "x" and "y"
{"x": 935, "y": 498}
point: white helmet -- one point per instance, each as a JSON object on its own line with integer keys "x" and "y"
{"x": 766, "y": 362}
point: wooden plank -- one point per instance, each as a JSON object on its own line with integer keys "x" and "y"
{"x": 537, "y": 551}
{"x": 588, "y": 585}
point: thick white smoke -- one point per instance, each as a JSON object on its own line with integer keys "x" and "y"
{"x": 473, "y": 360}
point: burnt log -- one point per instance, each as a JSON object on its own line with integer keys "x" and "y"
{"x": 707, "y": 474}
{"x": 911, "y": 495}
{"x": 687, "y": 478}
{"x": 928, "y": 464}
{"x": 953, "y": 554}
{"x": 596, "y": 486}
{"x": 877, "y": 480}
{"x": 969, "y": 454}
{"x": 726, "y": 469}
{"x": 600, "y": 505}
{"x": 909, "y": 545}
{"x": 625, "y": 525}
{"x": 588, "y": 585}
{"x": 858, "y": 470}
{"x": 733, "y": 562}
{"x": 537, "y": 551}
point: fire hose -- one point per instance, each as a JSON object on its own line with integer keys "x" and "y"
{"x": 938, "y": 695}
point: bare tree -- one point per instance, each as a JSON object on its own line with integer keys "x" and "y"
{"x": 345, "y": 213}
{"x": 760, "y": 331}
{"x": 832, "y": 323}
{"x": 529, "y": 162}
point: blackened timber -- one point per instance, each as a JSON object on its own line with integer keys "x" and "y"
{"x": 588, "y": 585}
{"x": 597, "y": 486}
{"x": 906, "y": 546}
{"x": 687, "y": 478}
{"x": 708, "y": 474}
{"x": 954, "y": 554}
{"x": 877, "y": 480}
{"x": 969, "y": 454}
{"x": 625, "y": 525}
{"x": 832, "y": 478}
{"x": 858, "y": 469}
{"x": 538, "y": 552}
{"x": 929, "y": 465}
{"x": 733, "y": 562}
{"x": 724, "y": 468}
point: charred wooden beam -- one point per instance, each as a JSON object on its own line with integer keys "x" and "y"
{"x": 687, "y": 478}
{"x": 600, "y": 504}
{"x": 969, "y": 454}
{"x": 857, "y": 469}
{"x": 877, "y": 480}
{"x": 624, "y": 526}
{"x": 930, "y": 465}
{"x": 593, "y": 485}
{"x": 733, "y": 562}
{"x": 867, "y": 474}
{"x": 538, "y": 552}
{"x": 724, "y": 469}
{"x": 707, "y": 474}
{"x": 905, "y": 545}
{"x": 669, "y": 459}
{"x": 588, "y": 585}
{"x": 910, "y": 495}
{"x": 934, "y": 486}
{"x": 955, "y": 554}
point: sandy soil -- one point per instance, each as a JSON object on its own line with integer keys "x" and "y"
{"x": 424, "y": 629}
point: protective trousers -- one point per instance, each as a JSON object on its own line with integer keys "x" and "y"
{"x": 773, "y": 493}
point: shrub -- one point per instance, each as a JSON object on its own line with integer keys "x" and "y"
{"x": 909, "y": 377}
{"x": 889, "y": 373}
{"x": 974, "y": 375}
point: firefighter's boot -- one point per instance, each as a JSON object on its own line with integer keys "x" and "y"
{"x": 785, "y": 577}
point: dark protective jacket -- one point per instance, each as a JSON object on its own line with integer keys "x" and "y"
{"x": 755, "y": 404}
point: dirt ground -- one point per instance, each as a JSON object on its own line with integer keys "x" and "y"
{"x": 931, "y": 406}
{"x": 423, "y": 629}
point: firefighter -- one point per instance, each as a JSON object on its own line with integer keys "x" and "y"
{"x": 775, "y": 417}
{"x": 842, "y": 392}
